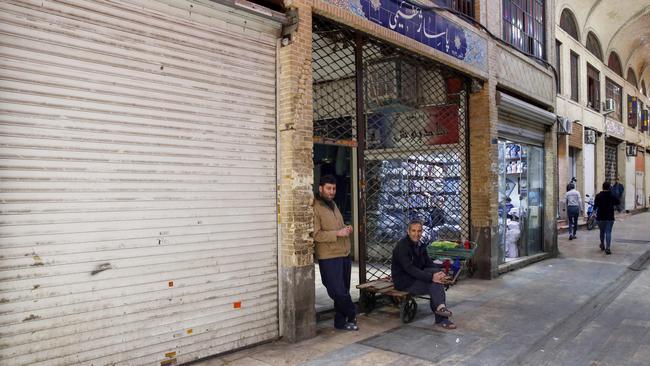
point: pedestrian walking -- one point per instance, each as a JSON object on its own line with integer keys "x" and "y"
{"x": 332, "y": 245}
{"x": 617, "y": 190}
{"x": 605, "y": 203}
{"x": 574, "y": 208}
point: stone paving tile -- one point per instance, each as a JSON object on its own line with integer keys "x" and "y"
{"x": 343, "y": 356}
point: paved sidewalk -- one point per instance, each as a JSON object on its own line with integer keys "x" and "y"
{"x": 582, "y": 308}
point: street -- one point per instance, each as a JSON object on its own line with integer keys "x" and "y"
{"x": 582, "y": 308}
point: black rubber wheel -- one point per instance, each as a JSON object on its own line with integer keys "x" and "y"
{"x": 591, "y": 223}
{"x": 407, "y": 309}
{"x": 367, "y": 302}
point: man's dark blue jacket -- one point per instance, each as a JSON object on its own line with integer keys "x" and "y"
{"x": 409, "y": 261}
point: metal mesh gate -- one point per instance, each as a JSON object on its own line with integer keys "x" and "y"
{"x": 415, "y": 157}
{"x": 611, "y": 162}
{"x": 412, "y": 139}
{"x": 333, "y": 65}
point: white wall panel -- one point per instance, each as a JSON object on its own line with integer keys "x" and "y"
{"x": 137, "y": 181}
{"x": 589, "y": 153}
{"x": 630, "y": 182}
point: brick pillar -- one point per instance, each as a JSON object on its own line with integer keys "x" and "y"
{"x": 551, "y": 192}
{"x": 563, "y": 170}
{"x": 295, "y": 134}
{"x": 484, "y": 183}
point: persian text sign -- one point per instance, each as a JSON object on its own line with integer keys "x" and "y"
{"x": 436, "y": 125}
{"x": 424, "y": 26}
{"x": 614, "y": 128}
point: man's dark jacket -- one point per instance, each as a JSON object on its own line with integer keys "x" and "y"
{"x": 409, "y": 262}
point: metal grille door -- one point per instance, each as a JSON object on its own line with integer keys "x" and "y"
{"x": 611, "y": 162}
{"x": 408, "y": 118}
{"x": 333, "y": 65}
{"x": 415, "y": 152}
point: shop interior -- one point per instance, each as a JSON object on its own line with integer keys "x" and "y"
{"x": 520, "y": 200}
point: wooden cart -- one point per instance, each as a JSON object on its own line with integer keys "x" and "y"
{"x": 405, "y": 301}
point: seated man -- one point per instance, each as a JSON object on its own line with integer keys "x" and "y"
{"x": 413, "y": 271}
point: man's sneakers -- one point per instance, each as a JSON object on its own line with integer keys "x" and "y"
{"x": 602, "y": 247}
{"x": 608, "y": 252}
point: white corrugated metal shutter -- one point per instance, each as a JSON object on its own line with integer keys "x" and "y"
{"x": 138, "y": 175}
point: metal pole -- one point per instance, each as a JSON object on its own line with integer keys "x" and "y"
{"x": 361, "y": 144}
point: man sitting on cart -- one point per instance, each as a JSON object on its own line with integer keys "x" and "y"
{"x": 414, "y": 271}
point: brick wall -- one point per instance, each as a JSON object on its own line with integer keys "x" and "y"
{"x": 295, "y": 215}
{"x": 295, "y": 134}
{"x": 484, "y": 186}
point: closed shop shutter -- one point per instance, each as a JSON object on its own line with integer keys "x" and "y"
{"x": 522, "y": 122}
{"x": 138, "y": 175}
{"x": 576, "y": 138}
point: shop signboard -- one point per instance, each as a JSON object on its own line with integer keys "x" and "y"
{"x": 645, "y": 121}
{"x": 614, "y": 128}
{"x": 633, "y": 111}
{"x": 435, "y": 125}
{"x": 424, "y": 26}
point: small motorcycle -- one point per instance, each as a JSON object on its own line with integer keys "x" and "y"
{"x": 591, "y": 213}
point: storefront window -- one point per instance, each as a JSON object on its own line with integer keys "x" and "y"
{"x": 521, "y": 197}
{"x": 614, "y": 92}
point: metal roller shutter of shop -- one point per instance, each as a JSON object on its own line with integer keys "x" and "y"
{"x": 138, "y": 175}
{"x": 522, "y": 122}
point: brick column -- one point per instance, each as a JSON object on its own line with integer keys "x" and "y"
{"x": 295, "y": 134}
{"x": 562, "y": 144}
{"x": 551, "y": 192}
{"x": 484, "y": 184}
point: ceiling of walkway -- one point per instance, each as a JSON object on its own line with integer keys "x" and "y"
{"x": 622, "y": 26}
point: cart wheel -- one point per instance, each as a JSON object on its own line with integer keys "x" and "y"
{"x": 407, "y": 309}
{"x": 367, "y": 302}
{"x": 470, "y": 268}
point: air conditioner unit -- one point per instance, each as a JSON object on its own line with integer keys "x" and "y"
{"x": 630, "y": 150}
{"x": 590, "y": 137}
{"x": 609, "y": 105}
{"x": 565, "y": 126}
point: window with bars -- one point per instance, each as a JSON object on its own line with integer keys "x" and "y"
{"x": 569, "y": 24}
{"x": 614, "y": 92}
{"x": 523, "y": 25}
{"x": 614, "y": 63}
{"x": 593, "y": 45}
{"x": 575, "y": 59}
{"x": 631, "y": 77}
{"x": 593, "y": 88}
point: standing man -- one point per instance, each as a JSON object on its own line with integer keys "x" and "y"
{"x": 331, "y": 238}
{"x": 604, "y": 205}
{"x": 413, "y": 271}
{"x": 617, "y": 191}
{"x": 573, "y": 209}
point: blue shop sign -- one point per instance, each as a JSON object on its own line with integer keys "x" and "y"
{"x": 424, "y": 26}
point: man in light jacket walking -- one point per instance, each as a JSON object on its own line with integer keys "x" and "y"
{"x": 574, "y": 209}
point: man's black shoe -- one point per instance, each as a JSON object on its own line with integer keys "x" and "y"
{"x": 602, "y": 247}
{"x": 608, "y": 252}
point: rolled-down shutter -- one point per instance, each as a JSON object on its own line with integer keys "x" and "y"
{"x": 138, "y": 176}
{"x": 521, "y": 121}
